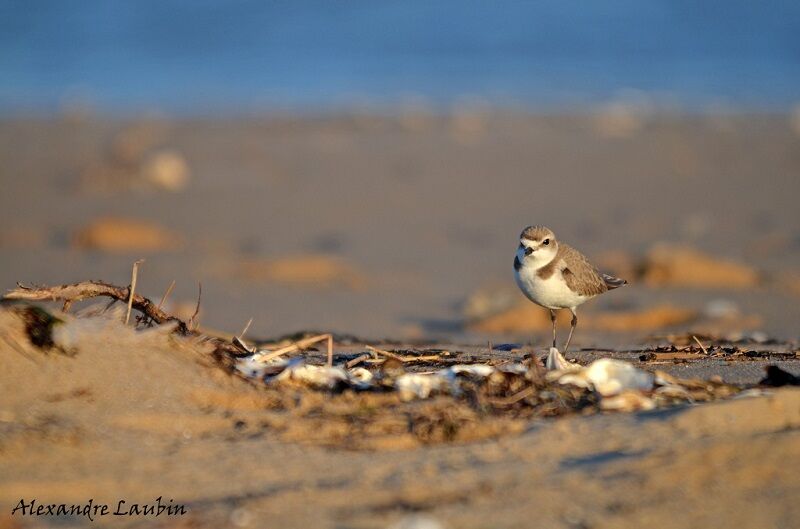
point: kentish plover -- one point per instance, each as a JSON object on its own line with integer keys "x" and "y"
{"x": 557, "y": 276}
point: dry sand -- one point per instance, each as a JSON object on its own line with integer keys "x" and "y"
{"x": 137, "y": 415}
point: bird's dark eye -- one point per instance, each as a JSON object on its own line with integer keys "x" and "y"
{"x": 528, "y": 251}
{"x": 546, "y": 242}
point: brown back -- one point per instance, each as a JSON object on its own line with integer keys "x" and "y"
{"x": 578, "y": 272}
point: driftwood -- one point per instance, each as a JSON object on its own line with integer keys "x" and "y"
{"x": 152, "y": 312}
{"x": 92, "y": 289}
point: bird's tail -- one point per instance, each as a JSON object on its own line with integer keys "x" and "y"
{"x": 613, "y": 282}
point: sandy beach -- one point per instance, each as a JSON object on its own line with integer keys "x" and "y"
{"x": 398, "y": 231}
{"x": 135, "y": 416}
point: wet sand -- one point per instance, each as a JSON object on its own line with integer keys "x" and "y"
{"x": 418, "y": 210}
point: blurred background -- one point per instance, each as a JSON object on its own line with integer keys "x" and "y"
{"x": 367, "y": 167}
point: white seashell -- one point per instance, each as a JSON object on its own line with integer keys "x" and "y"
{"x": 252, "y": 366}
{"x": 414, "y": 385}
{"x": 320, "y": 377}
{"x": 360, "y": 378}
{"x": 513, "y": 369}
{"x": 422, "y": 386}
{"x": 480, "y": 370}
{"x": 557, "y": 362}
{"x": 575, "y": 379}
{"x": 248, "y": 367}
{"x": 610, "y": 377}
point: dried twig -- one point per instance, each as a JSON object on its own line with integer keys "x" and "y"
{"x": 299, "y": 345}
{"x": 143, "y": 318}
{"x": 404, "y": 359}
{"x": 424, "y": 358}
{"x": 386, "y": 353}
{"x": 92, "y": 289}
{"x": 705, "y": 351}
{"x": 134, "y": 276}
{"x": 246, "y": 328}
{"x": 357, "y": 360}
{"x": 513, "y": 399}
{"x": 166, "y": 294}
{"x": 197, "y": 308}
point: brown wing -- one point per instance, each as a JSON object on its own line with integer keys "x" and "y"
{"x": 579, "y": 274}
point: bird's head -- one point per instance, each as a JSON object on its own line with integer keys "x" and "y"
{"x": 537, "y": 246}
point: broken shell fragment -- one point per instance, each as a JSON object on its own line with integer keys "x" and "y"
{"x": 480, "y": 370}
{"x": 254, "y": 367}
{"x": 319, "y": 377}
{"x": 610, "y": 377}
{"x": 414, "y": 385}
{"x": 361, "y": 374}
{"x": 515, "y": 368}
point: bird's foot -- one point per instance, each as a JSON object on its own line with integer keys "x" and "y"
{"x": 557, "y": 362}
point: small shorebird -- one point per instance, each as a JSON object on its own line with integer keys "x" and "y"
{"x": 557, "y": 276}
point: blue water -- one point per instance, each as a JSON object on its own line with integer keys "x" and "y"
{"x": 200, "y": 56}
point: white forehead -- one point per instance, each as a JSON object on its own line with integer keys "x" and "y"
{"x": 528, "y": 243}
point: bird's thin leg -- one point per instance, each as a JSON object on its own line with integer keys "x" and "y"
{"x": 553, "y": 321}
{"x": 573, "y": 324}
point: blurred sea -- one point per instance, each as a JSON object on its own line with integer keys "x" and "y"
{"x": 199, "y": 56}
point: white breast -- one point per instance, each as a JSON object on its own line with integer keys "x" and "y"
{"x": 552, "y": 293}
